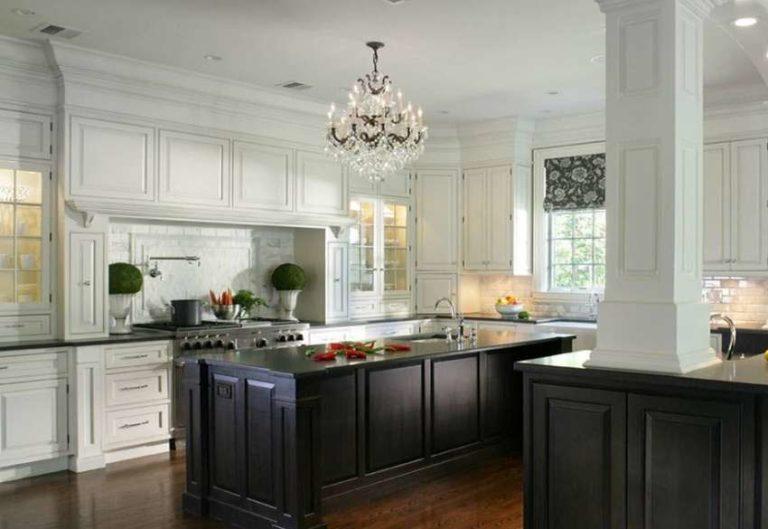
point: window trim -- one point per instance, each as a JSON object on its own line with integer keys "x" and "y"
{"x": 540, "y": 223}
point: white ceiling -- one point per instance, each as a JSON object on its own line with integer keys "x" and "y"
{"x": 474, "y": 59}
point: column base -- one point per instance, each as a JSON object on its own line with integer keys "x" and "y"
{"x": 656, "y": 337}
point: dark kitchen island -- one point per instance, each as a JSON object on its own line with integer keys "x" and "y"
{"x": 272, "y": 433}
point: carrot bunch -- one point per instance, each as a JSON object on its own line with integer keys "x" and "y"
{"x": 226, "y": 297}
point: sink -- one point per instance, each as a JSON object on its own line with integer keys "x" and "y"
{"x": 427, "y": 338}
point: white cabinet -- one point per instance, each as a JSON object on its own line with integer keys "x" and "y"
{"x": 87, "y": 271}
{"x": 492, "y": 208}
{"x": 194, "y": 169}
{"x": 436, "y": 220}
{"x": 321, "y": 184}
{"x": 736, "y": 206}
{"x": 397, "y": 184}
{"x": 25, "y": 135}
{"x": 33, "y": 405}
{"x": 338, "y": 281}
{"x": 263, "y": 177}
{"x": 432, "y": 286}
{"x": 111, "y": 160}
{"x": 33, "y": 421}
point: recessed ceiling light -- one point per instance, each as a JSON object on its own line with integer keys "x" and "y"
{"x": 23, "y": 12}
{"x": 395, "y": 2}
{"x": 443, "y": 111}
{"x": 553, "y": 92}
{"x": 745, "y": 22}
{"x": 210, "y": 57}
{"x": 598, "y": 59}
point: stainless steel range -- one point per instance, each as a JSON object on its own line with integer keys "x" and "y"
{"x": 221, "y": 336}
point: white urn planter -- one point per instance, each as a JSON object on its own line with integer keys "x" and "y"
{"x": 119, "y": 311}
{"x": 288, "y": 300}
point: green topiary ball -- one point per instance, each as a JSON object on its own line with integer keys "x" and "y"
{"x": 289, "y": 276}
{"x": 124, "y": 278}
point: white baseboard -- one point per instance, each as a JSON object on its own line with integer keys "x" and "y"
{"x": 85, "y": 464}
{"x": 37, "y": 468}
{"x": 136, "y": 451}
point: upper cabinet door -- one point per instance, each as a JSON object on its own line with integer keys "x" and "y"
{"x": 432, "y": 287}
{"x": 522, "y": 220}
{"x": 25, "y": 135}
{"x": 321, "y": 185}
{"x": 396, "y": 185}
{"x": 436, "y": 220}
{"x": 264, "y": 177}
{"x": 475, "y": 225}
{"x": 109, "y": 159}
{"x": 717, "y": 206}
{"x": 499, "y": 218}
{"x": 749, "y": 197}
{"x": 194, "y": 169}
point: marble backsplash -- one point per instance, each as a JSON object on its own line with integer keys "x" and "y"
{"x": 230, "y": 257}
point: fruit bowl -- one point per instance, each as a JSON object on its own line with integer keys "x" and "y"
{"x": 510, "y": 309}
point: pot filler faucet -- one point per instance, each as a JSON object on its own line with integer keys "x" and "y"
{"x": 731, "y": 328}
{"x": 457, "y": 317}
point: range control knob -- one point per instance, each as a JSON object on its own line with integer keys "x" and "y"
{"x": 208, "y": 344}
{"x": 282, "y": 338}
{"x": 197, "y": 345}
{"x": 299, "y": 337}
{"x": 261, "y": 342}
{"x": 231, "y": 345}
{"x": 291, "y": 338}
{"x": 186, "y": 346}
{"x": 219, "y": 344}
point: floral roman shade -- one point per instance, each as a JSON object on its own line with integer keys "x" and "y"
{"x": 575, "y": 182}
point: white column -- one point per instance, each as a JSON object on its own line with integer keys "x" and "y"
{"x": 652, "y": 317}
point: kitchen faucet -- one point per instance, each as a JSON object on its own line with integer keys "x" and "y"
{"x": 731, "y": 328}
{"x": 456, "y": 316}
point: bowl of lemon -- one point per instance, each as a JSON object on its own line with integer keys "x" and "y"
{"x": 509, "y": 306}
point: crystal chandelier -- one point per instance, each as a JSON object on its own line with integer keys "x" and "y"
{"x": 378, "y": 133}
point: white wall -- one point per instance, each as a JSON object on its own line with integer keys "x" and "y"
{"x": 231, "y": 257}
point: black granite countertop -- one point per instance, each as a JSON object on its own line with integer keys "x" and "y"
{"x": 747, "y": 374}
{"x": 138, "y": 335}
{"x": 477, "y": 316}
{"x": 294, "y": 362}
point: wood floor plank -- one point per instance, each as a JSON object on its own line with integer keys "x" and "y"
{"x": 146, "y": 494}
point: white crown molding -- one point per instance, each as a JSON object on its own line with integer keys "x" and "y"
{"x": 701, "y": 7}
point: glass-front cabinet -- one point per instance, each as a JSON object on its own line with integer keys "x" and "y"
{"x": 379, "y": 256}
{"x": 24, "y": 235}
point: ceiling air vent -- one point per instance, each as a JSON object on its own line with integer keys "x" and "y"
{"x": 52, "y": 30}
{"x": 294, "y": 85}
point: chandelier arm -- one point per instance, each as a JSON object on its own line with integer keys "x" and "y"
{"x": 340, "y": 141}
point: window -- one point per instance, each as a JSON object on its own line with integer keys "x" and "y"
{"x": 576, "y": 244}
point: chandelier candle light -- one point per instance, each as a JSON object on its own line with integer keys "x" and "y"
{"x": 379, "y": 133}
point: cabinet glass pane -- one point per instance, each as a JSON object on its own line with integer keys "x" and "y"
{"x": 21, "y": 236}
{"x": 7, "y": 287}
{"x": 6, "y": 220}
{"x": 362, "y": 245}
{"x": 395, "y": 244}
{"x": 7, "y": 185}
{"x": 29, "y": 254}
{"x": 30, "y": 287}
{"x": 29, "y": 187}
{"x": 29, "y": 221}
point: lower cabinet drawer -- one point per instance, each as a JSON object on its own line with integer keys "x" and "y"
{"x": 135, "y": 387}
{"x": 363, "y": 307}
{"x": 137, "y": 354}
{"x": 33, "y": 364}
{"x": 136, "y": 426}
{"x": 12, "y": 327}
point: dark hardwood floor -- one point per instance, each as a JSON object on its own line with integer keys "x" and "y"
{"x": 145, "y": 494}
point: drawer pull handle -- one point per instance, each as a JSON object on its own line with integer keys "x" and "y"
{"x": 135, "y": 357}
{"x": 3, "y": 368}
{"x": 134, "y": 388}
{"x": 133, "y": 425}
{"x": 86, "y": 283}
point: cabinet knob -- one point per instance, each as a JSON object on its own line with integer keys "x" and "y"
{"x": 86, "y": 283}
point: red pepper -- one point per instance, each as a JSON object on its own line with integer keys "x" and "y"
{"x": 352, "y": 354}
{"x": 397, "y": 347}
{"x": 336, "y": 346}
{"x": 324, "y": 357}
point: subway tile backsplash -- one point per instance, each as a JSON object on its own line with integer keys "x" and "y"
{"x": 744, "y": 299}
{"x": 234, "y": 257}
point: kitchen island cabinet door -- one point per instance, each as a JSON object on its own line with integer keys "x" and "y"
{"x": 686, "y": 465}
{"x": 577, "y": 475}
{"x": 194, "y": 169}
